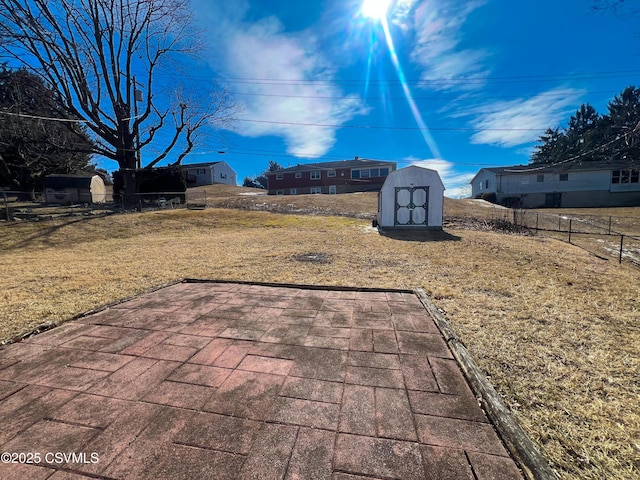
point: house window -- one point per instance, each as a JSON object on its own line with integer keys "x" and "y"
{"x": 315, "y": 175}
{"x": 332, "y": 189}
{"x": 364, "y": 173}
{"x": 331, "y": 173}
{"x": 615, "y": 176}
{"x": 279, "y": 176}
{"x": 293, "y": 191}
{"x": 298, "y": 174}
{"x": 540, "y": 178}
{"x": 384, "y": 172}
{"x": 486, "y": 184}
{"x": 200, "y": 171}
{"x": 355, "y": 173}
{"x": 564, "y": 177}
{"x": 375, "y": 172}
{"x": 316, "y": 190}
{"x": 279, "y": 192}
{"x": 223, "y": 175}
{"x": 625, "y": 176}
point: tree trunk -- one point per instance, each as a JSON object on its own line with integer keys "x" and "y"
{"x": 126, "y": 158}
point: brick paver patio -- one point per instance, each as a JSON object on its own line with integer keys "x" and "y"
{"x": 234, "y": 381}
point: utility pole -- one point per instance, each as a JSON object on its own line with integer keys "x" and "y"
{"x": 137, "y": 97}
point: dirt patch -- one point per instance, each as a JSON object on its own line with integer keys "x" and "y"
{"x": 313, "y": 257}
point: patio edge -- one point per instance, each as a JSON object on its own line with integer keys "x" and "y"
{"x": 523, "y": 450}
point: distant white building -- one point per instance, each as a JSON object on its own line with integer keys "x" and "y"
{"x": 411, "y": 198}
{"x": 586, "y": 184}
{"x": 75, "y": 188}
{"x": 198, "y": 174}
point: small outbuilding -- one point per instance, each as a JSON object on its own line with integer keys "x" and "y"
{"x": 411, "y": 198}
{"x": 67, "y": 189}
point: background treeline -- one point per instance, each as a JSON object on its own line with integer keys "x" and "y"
{"x": 38, "y": 136}
{"x": 594, "y": 137}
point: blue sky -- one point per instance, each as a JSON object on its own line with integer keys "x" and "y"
{"x": 457, "y": 85}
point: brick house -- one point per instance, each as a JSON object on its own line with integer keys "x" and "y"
{"x": 345, "y": 176}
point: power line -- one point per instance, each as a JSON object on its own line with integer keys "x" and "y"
{"x": 443, "y": 97}
{"x": 575, "y": 157}
{"x": 327, "y": 125}
{"x": 380, "y": 127}
{"x": 434, "y": 82}
{"x": 420, "y": 81}
{"x": 38, "y": 117}
{"x": 53, "y": 119}
{"x": 279, "y": 154}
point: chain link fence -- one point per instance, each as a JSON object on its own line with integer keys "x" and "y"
{"x": 37, "y": 206}
{"x": 601, "y": 235}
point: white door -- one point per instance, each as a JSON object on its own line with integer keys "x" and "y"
{"x": 412, "y": 206}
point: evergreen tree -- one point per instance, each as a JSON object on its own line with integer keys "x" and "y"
{"x": 553, "y": 147}
{"x": 37, "y": 137}
{"x": 624, "y": 118}
{"x": 590, "y": 136}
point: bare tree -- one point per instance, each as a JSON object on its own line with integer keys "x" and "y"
{"x": 625, "y": 8}
{"x": 103, "y": 57}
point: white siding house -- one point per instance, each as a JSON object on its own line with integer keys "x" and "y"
{"x": 198, "y": 174}
{"x": 586, "y": 184}
{"x": 411, "y": 198}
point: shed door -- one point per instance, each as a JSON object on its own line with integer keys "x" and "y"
{"x": 411, "y": 206}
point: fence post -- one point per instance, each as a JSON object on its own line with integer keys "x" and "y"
{"x": 515, "y": 219}
{"x": 205, "y": 199}
{"x": 559, "y": 223}
{"x": 6, "y": 206}
{"x": 609, "y": 224}
{"x": 537, "y": 215}
{"x": 570, "y": 220}
{"x": 621, "y": 244}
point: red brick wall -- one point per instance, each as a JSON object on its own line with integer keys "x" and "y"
{"x": 342, "y": 180}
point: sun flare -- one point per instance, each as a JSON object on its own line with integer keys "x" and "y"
{"x": 376, "y": 9}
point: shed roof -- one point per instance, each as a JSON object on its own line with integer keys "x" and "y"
{"x": 62, "y": 181}
{"x": 359, "y": 163}
{"x": 412, "y": 171}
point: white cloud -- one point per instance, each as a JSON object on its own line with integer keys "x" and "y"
{"x": 438, "y": 33}
{"x": 455, "y": 182}
{"x": 401, "y": 13}
{"x": 517, "y": 122}
{"x": 264, "y": 50}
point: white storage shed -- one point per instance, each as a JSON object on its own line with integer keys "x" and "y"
{"x": 411, "y": 198}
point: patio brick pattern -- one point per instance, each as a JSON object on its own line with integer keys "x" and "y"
{"x": 241, "y": 381}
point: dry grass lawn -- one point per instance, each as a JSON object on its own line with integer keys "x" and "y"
{"x": 555, "y": 328}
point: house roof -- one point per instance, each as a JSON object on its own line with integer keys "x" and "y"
{"x": 199, "y": 165}
{"x": 415, "y": 170}
{"x": 359, "y": 163}
{"x": 560, "y": 167}
{"x": 59, "y": 182}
